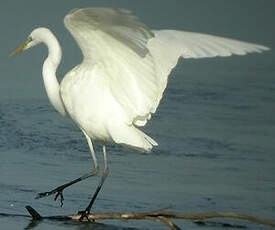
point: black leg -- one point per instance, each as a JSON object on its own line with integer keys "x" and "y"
{"x": 85, "y": 213}
{"x": 59, "y": 190}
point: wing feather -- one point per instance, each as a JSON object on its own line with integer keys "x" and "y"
{"x": 169, "y": 45}
{"x": 118, "y": 23}
{"x": 138, "y": 61}
{"x": 117, "y": 40}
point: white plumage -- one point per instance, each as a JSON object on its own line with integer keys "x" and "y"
{"x": 124, "y": 72}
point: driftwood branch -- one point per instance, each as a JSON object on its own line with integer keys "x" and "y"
{"x": 159, "y": 216}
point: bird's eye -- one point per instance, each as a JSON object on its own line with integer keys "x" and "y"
{"x": 30, "y": 38}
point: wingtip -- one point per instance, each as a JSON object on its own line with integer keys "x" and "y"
{"x": 262, "y": 48}
{"x": 266, "y": 48}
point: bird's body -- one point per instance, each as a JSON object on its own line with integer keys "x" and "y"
{"x": 104, "y": 119}
{"x": 123, "y": 75}
{"x": 91, "y": 85}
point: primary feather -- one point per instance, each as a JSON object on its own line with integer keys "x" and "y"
{"x": 125, "y": 68}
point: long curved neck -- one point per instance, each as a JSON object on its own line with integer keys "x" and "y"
{"x": 49, "y": 73}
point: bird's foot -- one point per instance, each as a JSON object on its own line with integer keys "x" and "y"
{"x": 85, "y": 215}
{"x": 58, "y": 193}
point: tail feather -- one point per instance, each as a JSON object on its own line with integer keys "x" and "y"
{"x": 131, "y": 137}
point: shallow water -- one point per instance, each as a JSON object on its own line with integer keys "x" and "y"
{"x": 215, "y": 153}
{"x": 215, "y": 125}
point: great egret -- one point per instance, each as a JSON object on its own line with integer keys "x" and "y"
{"x": 121, "y": 79}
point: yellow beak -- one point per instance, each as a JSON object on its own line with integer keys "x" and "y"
{"x": 20, "y": 49}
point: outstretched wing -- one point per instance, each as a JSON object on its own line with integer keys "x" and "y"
{"x": 138, "y": 61}
{"x": 117, "y": 40}
{"x": 168, "y": 45}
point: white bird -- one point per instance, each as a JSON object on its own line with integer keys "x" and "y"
{"x": 121, "y": 79}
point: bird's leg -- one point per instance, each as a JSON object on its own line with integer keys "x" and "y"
{"x": 59, "y": 190}
{"x": 85, "y": 213}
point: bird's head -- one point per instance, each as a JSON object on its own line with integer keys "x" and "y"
{"x": 35, "y": 37}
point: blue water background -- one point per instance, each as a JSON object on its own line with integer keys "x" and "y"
{"x": 215, "y": 127}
